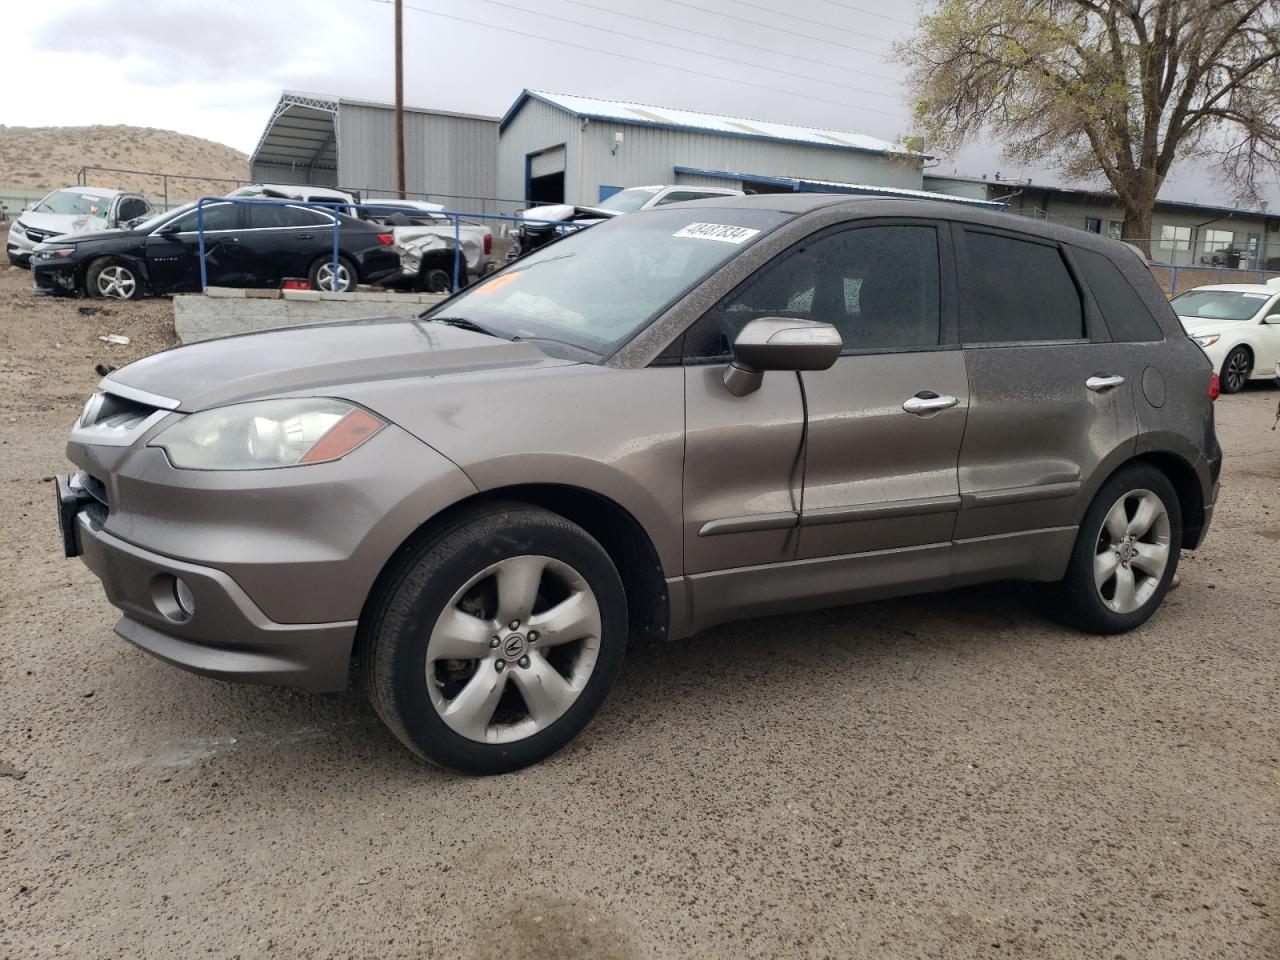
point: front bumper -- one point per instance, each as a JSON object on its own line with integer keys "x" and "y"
{"x": 226, "y": 635}
{"x": 55, "y": 276}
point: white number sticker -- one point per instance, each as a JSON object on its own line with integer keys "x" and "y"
{"x": 724, "y": 232}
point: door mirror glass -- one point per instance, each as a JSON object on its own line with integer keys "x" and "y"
{"x": 777, "y": 343}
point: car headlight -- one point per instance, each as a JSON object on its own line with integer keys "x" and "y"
{"x": 1207, "y": 339}
{"x": 54, "y": 253}
{"x": 268, "y": 433}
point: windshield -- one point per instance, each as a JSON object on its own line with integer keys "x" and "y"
{"x": 628, "y": 201}
{"x": 1219, "y": 304}
{"x": 72, "y": 201}
{"x": 597, "y": 288}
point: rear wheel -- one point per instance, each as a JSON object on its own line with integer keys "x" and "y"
{"x": 324, "y": 278}
{"x": 493, "y": 642}
{"x": 1125, "y": 557}
{"x": 1236, "y": 370}
{"x": 113, "y": 279}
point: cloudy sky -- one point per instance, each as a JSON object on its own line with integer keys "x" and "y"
{"x": 216, "y": 69}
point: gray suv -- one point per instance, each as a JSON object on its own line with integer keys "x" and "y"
{"x": 698, "y": 413}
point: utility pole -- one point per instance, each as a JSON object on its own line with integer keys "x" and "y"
{"x": 400, "y": 97}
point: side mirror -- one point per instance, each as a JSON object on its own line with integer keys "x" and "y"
{"x": 776, "y": 343}
{"x": 1273, "y": 318}
{"x": 168, "y": 228}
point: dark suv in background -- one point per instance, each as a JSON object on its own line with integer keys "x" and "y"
{"x": 687, "y": 415}
{"x": 246, "y": 245}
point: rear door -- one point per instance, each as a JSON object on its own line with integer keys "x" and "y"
{"x": 283, "y": 240}
{"x": 1051, "y": 404}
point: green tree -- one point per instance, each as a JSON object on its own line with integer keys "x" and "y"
{"x": 1121, "y": 88}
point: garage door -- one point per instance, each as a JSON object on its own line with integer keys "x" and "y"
{"x": 547, "y": 162}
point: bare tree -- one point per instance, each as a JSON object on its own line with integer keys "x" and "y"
{"x": 1118, "y": 87}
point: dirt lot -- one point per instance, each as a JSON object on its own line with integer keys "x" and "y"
{"x": 946, "y": 777}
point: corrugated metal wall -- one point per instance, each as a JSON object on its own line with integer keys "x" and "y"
{"x": 648, "y": 155}
{"x": 537, "y": 127}
{"x": 451, "y": 158}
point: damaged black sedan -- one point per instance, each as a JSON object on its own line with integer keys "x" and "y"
{"x": 246, "y": 245}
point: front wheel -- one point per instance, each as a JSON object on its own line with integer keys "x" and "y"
{"x": 113, "y": 280}
{"x": 1125, "y": 556}
{"x": 323, "y": 276}
{"x": 493, "y": 642}
{"x": 1236, "y": 370}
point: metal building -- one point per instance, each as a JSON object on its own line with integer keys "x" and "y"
{"x": 336, "y": 142}
{"x": 555, "y": 148}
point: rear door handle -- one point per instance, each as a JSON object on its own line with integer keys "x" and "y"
{"x": 1098, "y": 384}
{"x": 926, "y": 402}
{"x": 306, "y": 236}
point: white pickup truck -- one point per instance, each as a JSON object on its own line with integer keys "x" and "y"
{"x": 425, "y": 241}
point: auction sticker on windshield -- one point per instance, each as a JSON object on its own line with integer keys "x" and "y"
{"x": 724, "y": 232}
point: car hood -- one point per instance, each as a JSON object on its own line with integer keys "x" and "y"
{"x": 322, "y": 359}
{"x": 1198, "y": 325}
{"x": 63, "y": 222}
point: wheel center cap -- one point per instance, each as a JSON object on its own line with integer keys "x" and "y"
{"x": 514, "y": 646}
{"x": 1127, "y": 551}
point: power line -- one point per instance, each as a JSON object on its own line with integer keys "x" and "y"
{"x": 650, "y": 63}
{"x": 818, "y": 23}
{"x": 739, "y": 43}
{"x": 774, "y": 28}
{"x": 870, "y": 13}
{"x": 701, "y": 53}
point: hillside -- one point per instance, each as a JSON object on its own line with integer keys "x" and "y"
{"x": 42, "y": 158}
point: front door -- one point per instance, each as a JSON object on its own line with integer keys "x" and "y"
{"x": 1051, "y": 405}
{"x": 780, "y": 516}
{"x": 173, "y": 256}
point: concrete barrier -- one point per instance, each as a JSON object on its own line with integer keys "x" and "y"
{"x": 226, "y": 311}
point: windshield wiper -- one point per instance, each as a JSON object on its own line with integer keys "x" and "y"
{"x": 464, "y": 324}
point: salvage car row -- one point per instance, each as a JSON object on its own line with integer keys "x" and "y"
{"x": 101, "y": 243}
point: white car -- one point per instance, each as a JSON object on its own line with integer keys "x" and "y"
{"x": 1238, "y": 327}
{"x": 72, "y": 210}
{"x": 297, "y": 191}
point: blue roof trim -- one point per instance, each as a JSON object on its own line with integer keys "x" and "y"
{"x": 528, "y": 95}
{"x": 1103, "y": 196}
{"x": 802, "y": 185}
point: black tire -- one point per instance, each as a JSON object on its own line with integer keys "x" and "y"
{"x": 314, "y": 274}
{"x": 417, "y": 588}
{"x": 94, "y": 285}
{"x": 1075, "y": 600}
{"x": 1236, "y": 370}
{"x": 436, "y": 279}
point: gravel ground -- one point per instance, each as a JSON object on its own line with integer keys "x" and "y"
{"x": 949, "y": 776}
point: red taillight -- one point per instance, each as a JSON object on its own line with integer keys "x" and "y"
{"x": 1214, "y": 388}
{"x": 386, "y": 239}
{"x": 488, "y": 244}
{"x": 295, "y": 283}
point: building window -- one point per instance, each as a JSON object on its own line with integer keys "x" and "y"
{"x": 1175, "y": 238}
{"x": 1093, "y": 224}
{"x": 1115, "y": 228}
{"x": 1216, "y": 241}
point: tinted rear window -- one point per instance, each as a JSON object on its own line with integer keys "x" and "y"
{"x": 1018, "y": 291}
{"x": 1126, "y": 315}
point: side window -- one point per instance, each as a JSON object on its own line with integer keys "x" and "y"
{"x": 264, "y": 216}
{"x": 1017, "y": 291}
{"x": 879, "y": 286}
{"x": 132, "y": 207}
{"x": 217, "y": 216}
{"x": 1125, "y": 313}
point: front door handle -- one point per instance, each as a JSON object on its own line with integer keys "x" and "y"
{"x": 1098, "y": 384}
{"x": 926, "y": 402}
{"x": 306, "y": 236}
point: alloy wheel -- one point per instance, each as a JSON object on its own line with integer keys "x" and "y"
{"x": 514, "y": 649}
{"x": 1132, "y": 551}
{"x": 117, "y": 282}
{"x": 324, "y": 278}
{"x": 1237, "y": 371}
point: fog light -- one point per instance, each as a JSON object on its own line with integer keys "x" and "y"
{"x": 186, "y": 599}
